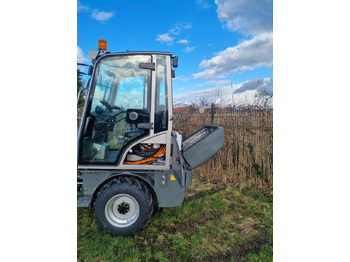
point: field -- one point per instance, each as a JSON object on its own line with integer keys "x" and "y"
{"x": 227, "y": 213}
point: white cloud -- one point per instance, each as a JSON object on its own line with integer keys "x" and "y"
{"x": 176, "y": 30}
{"x": 165, "y": 38}
{"x": 188, "y": 49}
{"x": 250, "y": 17}
{"x": 215, "y": 83}
{"x": 186, "y": 26}
{"x": 260, "y": 85}
{"x": 225, "y": 95}
{"x": 203, "y": 4}
{"x": 246, "y": 56}
{"x": 183, "y": 41}
{"x": 212, "y": 95}
{"x": 266, "y": 86}
{"x": 181, "y": 78}
{"x": 81, "y": 7}
{"x": 168, "y": 37}
{"x": 81, "y": 56}
{"x": 182, "y": 88}
{"x": 102, "y": 16}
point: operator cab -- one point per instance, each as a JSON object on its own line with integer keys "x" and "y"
{"x": 128, "y": 112}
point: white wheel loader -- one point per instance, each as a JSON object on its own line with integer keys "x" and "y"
{"x": 129, "y": 158}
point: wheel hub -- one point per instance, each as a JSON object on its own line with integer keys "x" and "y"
{"x": 123, "y": 208}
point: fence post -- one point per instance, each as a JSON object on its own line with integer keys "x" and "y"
{"x": 212, "y": 112}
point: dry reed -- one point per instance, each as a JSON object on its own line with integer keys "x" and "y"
{"x": 246, "y": 158}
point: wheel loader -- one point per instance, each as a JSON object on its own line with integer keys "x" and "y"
{"x": 129, "y": 157}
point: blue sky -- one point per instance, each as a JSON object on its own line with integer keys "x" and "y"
{"x": 218, "y": 42}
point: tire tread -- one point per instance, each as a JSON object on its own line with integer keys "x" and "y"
{"x": 128, "y": 183}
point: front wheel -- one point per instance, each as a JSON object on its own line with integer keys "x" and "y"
{"x": 123, "y": 206}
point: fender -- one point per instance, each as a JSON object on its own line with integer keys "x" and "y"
{"x": 93, "y": 181}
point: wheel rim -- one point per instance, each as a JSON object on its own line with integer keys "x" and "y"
{"x": 122, "y": 210}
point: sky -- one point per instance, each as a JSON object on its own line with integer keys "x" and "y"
{"x": 218, "y": 42}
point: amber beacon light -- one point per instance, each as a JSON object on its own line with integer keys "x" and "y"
{"x": 102, "y": 44}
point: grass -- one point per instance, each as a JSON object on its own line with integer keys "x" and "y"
{"x": 216, "y": 223}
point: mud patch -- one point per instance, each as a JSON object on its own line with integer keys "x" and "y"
{"x": 203, "y": 193}
{"x": 193, "y": 224}
{"x": 238, "y": 251}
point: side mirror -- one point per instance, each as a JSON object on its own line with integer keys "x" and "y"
{"x": 175, "y": 61}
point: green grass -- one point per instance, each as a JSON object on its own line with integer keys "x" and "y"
{"x": 214, "y": 224}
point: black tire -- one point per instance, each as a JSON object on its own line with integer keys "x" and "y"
{"x": 123, "y": 206}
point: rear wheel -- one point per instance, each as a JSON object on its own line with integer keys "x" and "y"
{"x": 123, "y": 206}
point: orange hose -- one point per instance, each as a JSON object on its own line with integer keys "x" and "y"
{"x": 161, "y": 150}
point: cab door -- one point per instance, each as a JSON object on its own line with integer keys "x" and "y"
{"x": 155, "y": 150}
{"x": 118, "y": 108}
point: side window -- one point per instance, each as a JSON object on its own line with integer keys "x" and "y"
{"x": 161, "y": 116}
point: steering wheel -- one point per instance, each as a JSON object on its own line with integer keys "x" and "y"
{"x": 109, "y": 107}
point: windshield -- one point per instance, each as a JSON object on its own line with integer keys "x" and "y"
{"x": 119, "y": 79}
